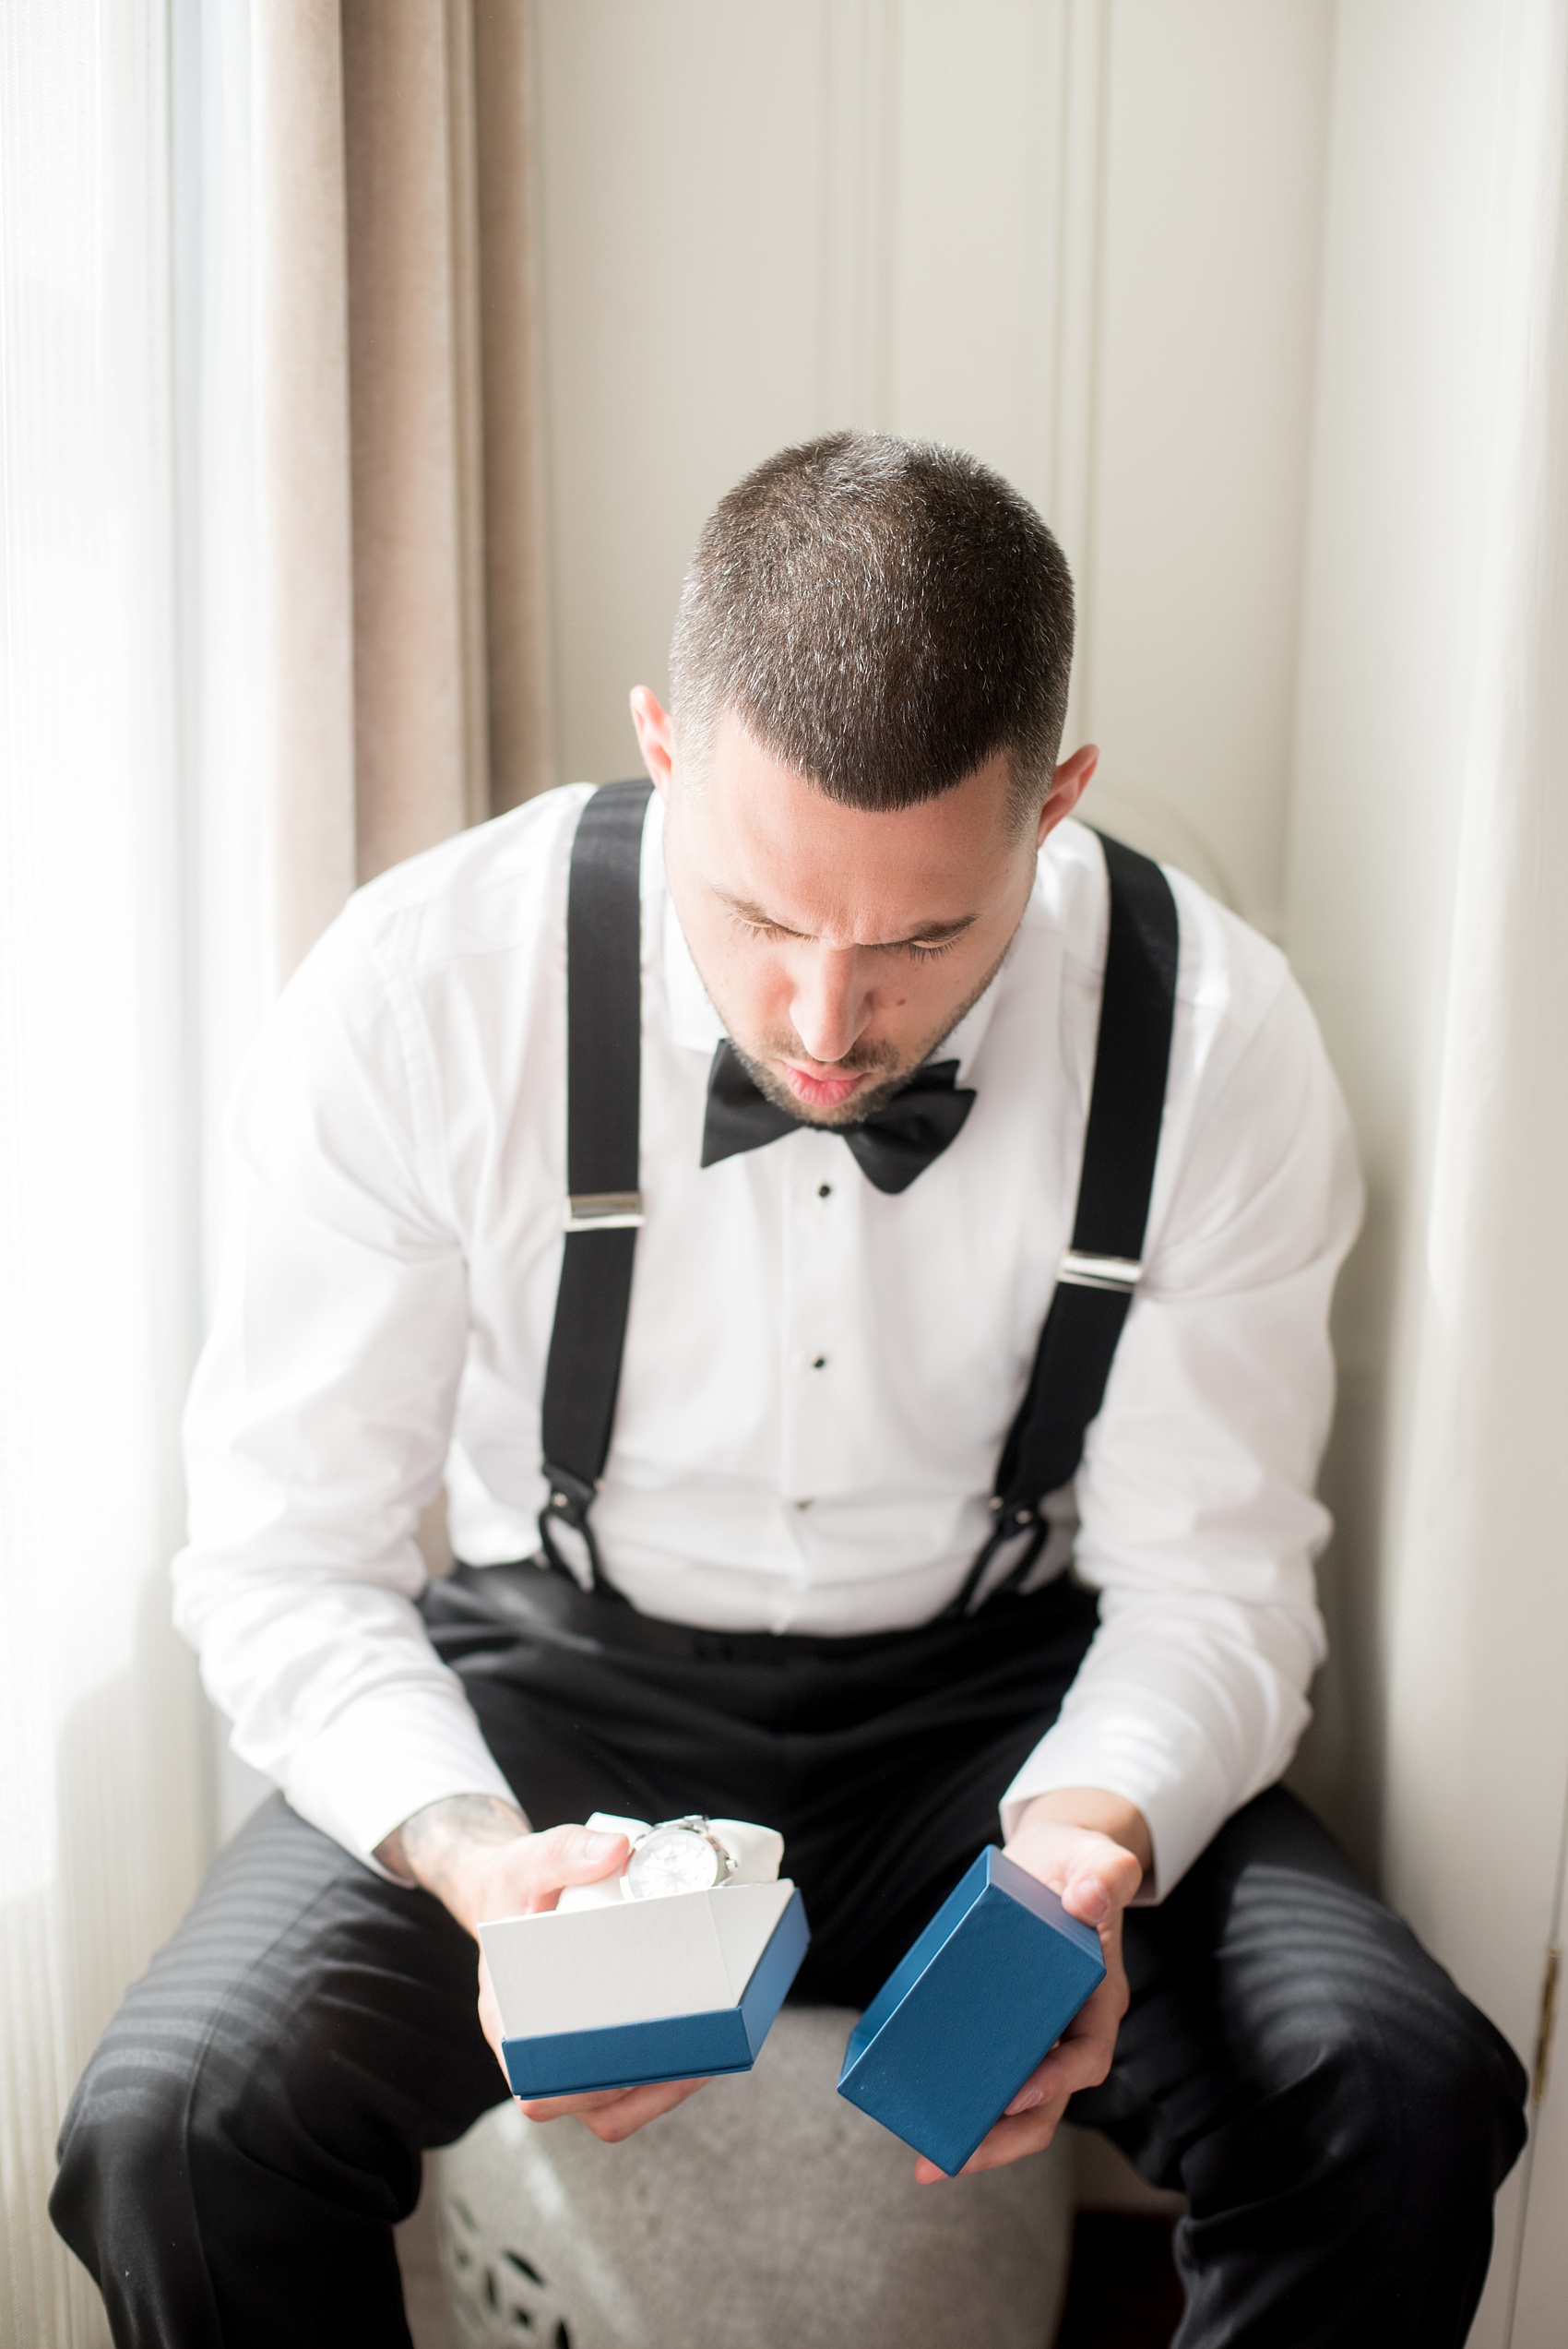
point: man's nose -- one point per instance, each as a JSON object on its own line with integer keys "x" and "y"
{"x": 831, "y": 1003}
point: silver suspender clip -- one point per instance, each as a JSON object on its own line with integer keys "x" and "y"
{"x": 604, "y": 1212}
{"x": 1117, "y": 1273}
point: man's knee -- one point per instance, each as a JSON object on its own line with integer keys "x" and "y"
{"x": 1447, "y": 2091}
{"x": 1369, "y": 2063}
{"x": 123, "y": 2149}
{"x": 229, "y": 2104}
{"x": 1342, "y": 2048}
{"x": 259, "y": 2014}
{"x": 219, "y": 2136}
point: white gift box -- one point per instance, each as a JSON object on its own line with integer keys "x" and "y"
{"x": 613, "y": 1993}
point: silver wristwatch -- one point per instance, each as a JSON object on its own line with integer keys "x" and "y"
{"x": 678, "y": 1855}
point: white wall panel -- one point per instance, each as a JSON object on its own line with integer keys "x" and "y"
{"x": 1078, "y": 237}
{"x": 681, "y": 160}
{"x": 994, "y": 294}
{"x": 1213, "y": 175}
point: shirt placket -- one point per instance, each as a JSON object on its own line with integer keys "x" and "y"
{"x": 820, "y": 1292}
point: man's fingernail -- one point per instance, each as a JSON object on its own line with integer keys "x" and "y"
{"x": 1094, "y": 1898}
{"x": 598, "y": 1845}
{"x": 1026, "y": 2100}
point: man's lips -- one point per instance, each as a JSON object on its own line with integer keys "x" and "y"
{"x": 821, "y": 1092}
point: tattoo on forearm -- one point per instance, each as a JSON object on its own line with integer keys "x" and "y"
{"x": 421, "y": 1850}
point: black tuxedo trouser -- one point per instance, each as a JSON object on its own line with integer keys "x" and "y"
{"x": 252, "y": 2124}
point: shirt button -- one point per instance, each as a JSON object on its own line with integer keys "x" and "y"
{"x": 821, "y": 1363}
{"x": 824, "y": 1190}
{"x": 802, "y": 1504}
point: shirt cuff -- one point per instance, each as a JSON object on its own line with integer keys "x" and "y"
{"x": 1156, "y": 1757}
{"x": 383, "y": 1757}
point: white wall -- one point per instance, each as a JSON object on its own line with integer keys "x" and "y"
{"x": 1392, "y": 604}
{"x": 1078, "y": 236}
{"x": 1429, "y": 869}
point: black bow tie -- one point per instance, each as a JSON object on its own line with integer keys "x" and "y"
{"x": 893, "y": 1145}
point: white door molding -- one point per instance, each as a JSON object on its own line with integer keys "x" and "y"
{"x": 855, "y": 206}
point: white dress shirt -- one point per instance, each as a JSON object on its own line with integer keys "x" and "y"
{"x": 818, "y": 1377}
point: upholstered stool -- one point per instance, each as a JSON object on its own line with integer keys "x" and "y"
{"x": 764, "y": 2212}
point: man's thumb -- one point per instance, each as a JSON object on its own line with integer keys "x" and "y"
{"x": 582, "y": 1853}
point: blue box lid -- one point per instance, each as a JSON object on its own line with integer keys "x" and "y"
{"x": 962, "y": 2021}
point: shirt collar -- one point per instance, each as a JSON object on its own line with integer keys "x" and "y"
{"x": 693, "y": 1019}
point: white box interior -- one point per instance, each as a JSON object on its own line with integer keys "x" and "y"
{"x": 590, "y": 1969}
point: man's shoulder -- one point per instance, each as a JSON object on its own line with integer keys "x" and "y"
{"x": 494, "y": 889}
{"x": 1228, "y": 973}
{"x": 1250, "y": 1092}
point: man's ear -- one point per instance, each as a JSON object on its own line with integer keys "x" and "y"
{"x": 656, "y": 737}
{"x": 1071, "y": 781}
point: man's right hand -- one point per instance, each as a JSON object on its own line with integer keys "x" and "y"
{"x": 481, "y": 1860}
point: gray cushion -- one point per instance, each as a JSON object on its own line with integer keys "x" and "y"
{"x": 765, "y": 2211}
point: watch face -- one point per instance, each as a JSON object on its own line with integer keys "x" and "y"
{"x": 673, "y": 1859}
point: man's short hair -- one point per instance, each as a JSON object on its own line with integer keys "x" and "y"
{"x": 885, "y": 616}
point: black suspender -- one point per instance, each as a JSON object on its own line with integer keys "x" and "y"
{"x": 604, "y": 1034}
{"x": 1099, "y": 1272}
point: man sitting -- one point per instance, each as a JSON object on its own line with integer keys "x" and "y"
{"x": 919, "y": 1412}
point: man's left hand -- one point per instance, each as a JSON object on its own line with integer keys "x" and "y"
{"x": 1094, "y": 1850}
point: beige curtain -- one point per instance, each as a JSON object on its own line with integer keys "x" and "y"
{"x": 405, "y": 653}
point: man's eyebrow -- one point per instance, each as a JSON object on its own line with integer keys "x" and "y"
{"x": 931, "y": 934}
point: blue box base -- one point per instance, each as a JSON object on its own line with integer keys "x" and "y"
{"x": 963, "y": 2020}
{"x": 634, "y": 2055}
